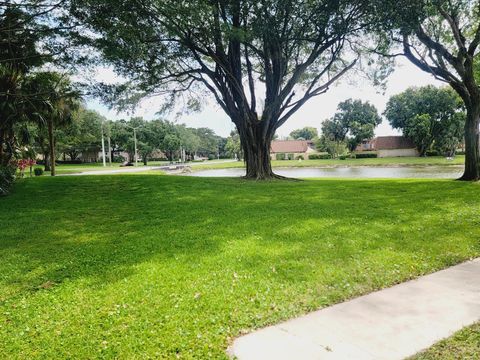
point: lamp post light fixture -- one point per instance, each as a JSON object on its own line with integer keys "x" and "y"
{"x": 103, "y": 147}
{"x": 135, "y": 141}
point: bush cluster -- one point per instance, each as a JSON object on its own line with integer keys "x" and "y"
{"x": 432, "y": 153}
{"x": 38, "y": 171}
{"x": 7, "y": 178}
{"x": 319, "y": 156}
{"x": 366, "y": 155}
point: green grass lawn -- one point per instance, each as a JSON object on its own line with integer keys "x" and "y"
{"x": 394, "y": 161}
{"x": 163, "y": 267}
{"x": 464, "y": 345}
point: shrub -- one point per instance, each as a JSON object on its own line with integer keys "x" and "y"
{"x": 319, "y": 156}
{"x": 280, "y": 156}
{"x": 290, "y": 156}
{"x": 119, "y": 159}
{"x": 432, "y": 153}
{"x": 69, "y": 162}
{"x": 300, "y": 157}
{"x": 343, "y": 157}
{"x": 459, "y": 152}
{"x": 38, "y": 171}
{"x": 366, "y": 155}
{"x": 7, "y": 178}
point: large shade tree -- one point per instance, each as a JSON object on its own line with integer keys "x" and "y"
{"x": 442, "y": 37}
{"x": 429, "y": 116}
{"x": 260, "y": 59}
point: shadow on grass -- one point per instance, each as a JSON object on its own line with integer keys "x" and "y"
{"x": 101, "y": 227}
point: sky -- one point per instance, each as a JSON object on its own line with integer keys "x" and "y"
{"x": 311, "y": 114}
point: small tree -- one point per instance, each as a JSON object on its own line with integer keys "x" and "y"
{"x": 234, "y": 147}
{"x": 353, "y": 122}
{"x": 333, "y": 137}
{"x": 55, "y": 107}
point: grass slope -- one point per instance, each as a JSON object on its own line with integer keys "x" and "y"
{"x": 393, "y": 161}
{"x": 213, "y": 164}
{"x": 156, "y": 266}
{"x": 464, "y": 345}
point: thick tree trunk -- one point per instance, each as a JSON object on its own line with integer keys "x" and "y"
{"x": 256, "y": 148}
{"x": 472, "y": 149}
{"x": 51, "y": 144}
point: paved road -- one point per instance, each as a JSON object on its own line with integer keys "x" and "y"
{"x": 389, "y": 324}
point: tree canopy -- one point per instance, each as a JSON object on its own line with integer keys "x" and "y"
{"x": 353, "y": 122}
{"x": 428, "y": 115}
{"x": 306, "y": 133}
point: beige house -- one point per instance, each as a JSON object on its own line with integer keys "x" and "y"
{"x": 295, "y": 147}
{"x": 389, "y": 146}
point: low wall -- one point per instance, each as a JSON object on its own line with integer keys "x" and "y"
{"x": 397, "y": 153}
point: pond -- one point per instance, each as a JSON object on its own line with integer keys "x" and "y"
{"x": 427, "y": 172}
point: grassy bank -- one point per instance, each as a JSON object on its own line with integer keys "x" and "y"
{"x": 163, "y": 267}
{"x": 78, "y": 168}
{"x": 213, "y": 164}
{"x": 398, "y": 161}
{"x": 464, "y": 345}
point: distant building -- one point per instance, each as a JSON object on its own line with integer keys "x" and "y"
{"x": 389, "y": 146}
{"x": 295, "y": 147}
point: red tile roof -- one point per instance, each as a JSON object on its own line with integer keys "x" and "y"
{"x": 393, "y": 142}
{"x": 289, "y": 146}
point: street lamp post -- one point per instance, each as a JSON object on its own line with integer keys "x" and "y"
{"x": 103, "y": 148}
{"x": 135, "y": 141}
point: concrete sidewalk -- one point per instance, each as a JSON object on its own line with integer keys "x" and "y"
{"x": 389, "y": 324}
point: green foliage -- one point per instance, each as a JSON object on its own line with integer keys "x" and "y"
{"x": 366, "y": 155}
{"x": 353, "y": 122}
{"x": 320, "y": 156}
{"x": 430, "y": 116}
{"x": 332, "y": 147}
{"x": 38, "y": 171}
{"x": 234, "y": 146}
{"x": 300, "y": 157}
{"x": 358, "y": 120}
{"x": 281, "y": 156}
{"x": 306, "y": 133}
{"x": 7, "y": 178}
{"x": 464, "y": 344}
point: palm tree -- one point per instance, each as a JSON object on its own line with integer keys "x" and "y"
{"x": 54, "y": 105}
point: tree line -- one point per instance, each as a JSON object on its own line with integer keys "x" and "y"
{"x": 79, "y": 140}
{"x": 433, "y": 118}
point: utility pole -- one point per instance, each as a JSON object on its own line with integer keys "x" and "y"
{"x": 103, "y": 149}
{"x": 109, "y": 151}
{"x": 135, "y": 141}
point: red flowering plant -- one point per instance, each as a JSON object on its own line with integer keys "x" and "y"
{"x": 22, "y": 164}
